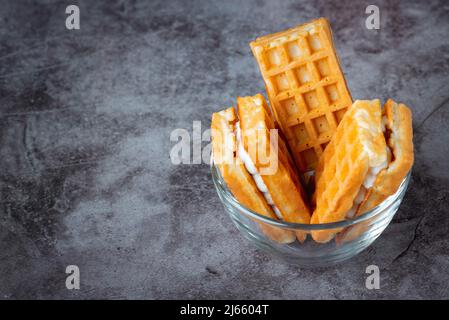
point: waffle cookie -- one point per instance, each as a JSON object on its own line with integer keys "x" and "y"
{"x": 239, "y": 181}
{"x": 355, "y": 155}
{"x": 397, "y": 122}
{"x": 265, "y": 157}
{"x": 305, "y": 86}
{"x": 256, "y": 124}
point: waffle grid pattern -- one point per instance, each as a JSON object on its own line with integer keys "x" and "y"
{"x": 306, "y": 87}
{"x": 357, "y": 145}
{"x": 344, "y": 159}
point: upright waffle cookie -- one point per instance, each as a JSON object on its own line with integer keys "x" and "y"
{"x": 399, "y": 136}
{"x": 398, "y": 131}
{"x": 237, "y": 178}
{"x": 282, "y": 182}
{"x": 305, "y": 85}
{"x": 356, "y": 152}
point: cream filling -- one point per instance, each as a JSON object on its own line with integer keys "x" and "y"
{"x": 367, "y": 183}
{"x": 369, "y": 179}
{"x": 249, "y": 165}
{"x": 358, "y": 199}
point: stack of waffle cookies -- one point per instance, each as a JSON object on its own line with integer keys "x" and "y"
{"x": 356, "y": 153}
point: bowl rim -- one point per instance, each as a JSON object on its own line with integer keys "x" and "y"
{"x": 222, "y": 188}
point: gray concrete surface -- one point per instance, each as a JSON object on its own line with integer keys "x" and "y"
{"x": 85, "y": 173}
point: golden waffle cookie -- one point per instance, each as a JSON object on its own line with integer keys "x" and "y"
{"x": 305, "y": 85}
{"x": 357, "y": 147}
{"x": 237, "y": 178}
{"x": 282, "y": 183}
{"x": 399, "y": 122}
{"x": 399, "y": 138}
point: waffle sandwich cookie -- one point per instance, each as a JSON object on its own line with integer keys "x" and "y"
{"x": 265, "y": 184}
{"x": 364, "y": 163}
{"x": 305, "y": 86}
{"x": 397, "y": 126}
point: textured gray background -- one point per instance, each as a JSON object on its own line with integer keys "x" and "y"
{"x": 85, "y": 173}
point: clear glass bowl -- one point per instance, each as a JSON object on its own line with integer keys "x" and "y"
{"x": 354, "y": 235}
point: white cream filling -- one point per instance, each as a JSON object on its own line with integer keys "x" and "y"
{"x": 249, "y": 165}
{"x": 358, "y": 199}
{"x": 369, "y": 179}
{"x": 367, "y": 183}
{"x": 372, "y": 175}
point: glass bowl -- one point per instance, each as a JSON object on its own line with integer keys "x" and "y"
{"x": 352, "y": 235}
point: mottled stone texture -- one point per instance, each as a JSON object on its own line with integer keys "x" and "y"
{"x": 85, "y": 173}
